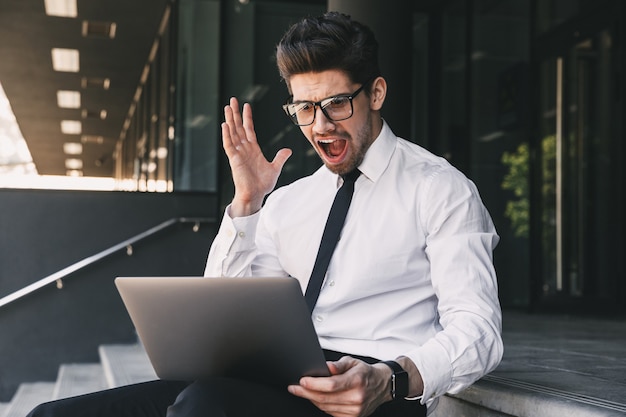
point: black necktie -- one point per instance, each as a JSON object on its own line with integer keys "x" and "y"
{"x": 330, "y": 237}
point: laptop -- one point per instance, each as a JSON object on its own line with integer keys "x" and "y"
{"x": 257, "y": 329}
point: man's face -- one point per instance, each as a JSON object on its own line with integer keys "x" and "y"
{"x": 341, "y": 145}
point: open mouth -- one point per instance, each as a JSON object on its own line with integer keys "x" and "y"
{"x": 334, "y": 149}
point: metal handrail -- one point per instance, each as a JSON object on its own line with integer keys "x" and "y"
{"x": 83, "y": 263}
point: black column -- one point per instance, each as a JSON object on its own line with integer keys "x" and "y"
{"x": 391, "y": 21}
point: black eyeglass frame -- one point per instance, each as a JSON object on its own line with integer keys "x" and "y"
{"x": 328, "y": 100}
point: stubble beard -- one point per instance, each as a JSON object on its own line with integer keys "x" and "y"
{"x": 363, "y": 141}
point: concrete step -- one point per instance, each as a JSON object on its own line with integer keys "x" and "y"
{"x": 28, "y": 396}
{"x": 125, "y": 364}
{"x": 492, "y": 396}
{"x": 77, "y": 379}
{"x": 495, "y": 396}
{"x": 120, "y": 365}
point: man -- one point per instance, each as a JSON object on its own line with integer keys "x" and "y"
{"x": 411, "y": 279}
{"x": 408, "y": 309}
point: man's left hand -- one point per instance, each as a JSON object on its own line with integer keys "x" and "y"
{"x": 354, "y": 388}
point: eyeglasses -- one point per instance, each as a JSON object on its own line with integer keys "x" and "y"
{"x": 336, "y": 108}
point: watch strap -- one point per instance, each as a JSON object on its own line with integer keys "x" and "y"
{"x": 399, "y": 381}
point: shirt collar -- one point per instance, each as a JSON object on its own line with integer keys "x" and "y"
{"x": 379, "y": 154}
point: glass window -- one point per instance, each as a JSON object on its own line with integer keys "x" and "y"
{"x": 195, "y": 163}
{"x": 498, "y": 121}
{"x": 453, "y": 83}
{"x": 577, "y": 242}
{"x": 551, "y": 13}
{"x": 421, "y": 114}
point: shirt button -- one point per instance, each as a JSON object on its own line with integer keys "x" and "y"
{"x": 331, "y": 283}
{"x": 242, "y": 234}
{"x": 319, "y": 318}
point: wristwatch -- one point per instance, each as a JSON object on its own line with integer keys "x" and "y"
{"x": 399, "y": 381}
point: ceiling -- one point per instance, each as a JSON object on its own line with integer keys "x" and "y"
{"x": 27, "y": 36}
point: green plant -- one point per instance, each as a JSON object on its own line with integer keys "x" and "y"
{"x": 516, "y": 180}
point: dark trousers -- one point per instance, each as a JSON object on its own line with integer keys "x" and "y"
{"x": 216, "y": 397}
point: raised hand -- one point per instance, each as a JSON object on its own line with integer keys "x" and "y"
{"x": 254, "y": 176}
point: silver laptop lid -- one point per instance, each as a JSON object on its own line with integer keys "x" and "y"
{"x": 192, "y": 328}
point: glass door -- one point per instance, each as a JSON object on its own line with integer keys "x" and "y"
{"x": 578, "y": 118}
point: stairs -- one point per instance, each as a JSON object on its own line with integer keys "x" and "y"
{"x": 120, "y": 365}
{"x": 500, "y": 394}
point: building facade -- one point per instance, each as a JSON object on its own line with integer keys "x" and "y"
{"x": 526, "y": 97}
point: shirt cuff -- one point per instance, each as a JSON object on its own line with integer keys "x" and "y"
{"x": 239, "y": 231}
{"x": 435, "y": 369}
{"x": 233, "y": 237}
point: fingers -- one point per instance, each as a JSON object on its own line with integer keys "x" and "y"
{"x": 238, "y": 130}
{"x": 234, "y": 106}
{"x": 341, "y": 378}
{"x": 343, "y": 365}
{"x": 281, "y": 157}
{"x": 336, "y": 402}
{"x": 248, "y": 123}
{"x": 352, "y": 390}
{"x": 227, "y": 141}
{"x": 233, "y": 132}
{"x": 240, "y": 123}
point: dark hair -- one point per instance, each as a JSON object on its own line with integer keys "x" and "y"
{"x": 330, "y": 41}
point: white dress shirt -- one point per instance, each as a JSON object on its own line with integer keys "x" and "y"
{"x": 412, "y": 274}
